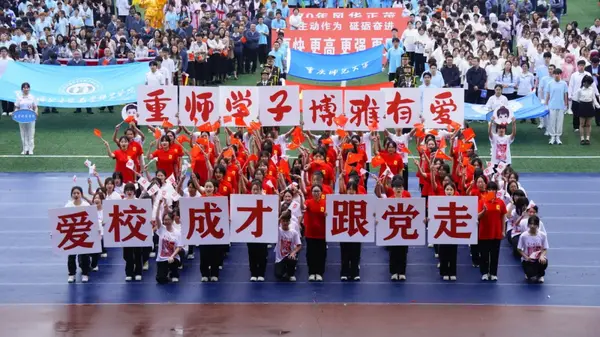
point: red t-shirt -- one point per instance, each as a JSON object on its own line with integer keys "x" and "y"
{"x": 166, "y": 161}
{"x": 393, "y": 161}
{"x": 389, "y": 192}
{"x": 325, "y": 168}
{"x": 135, "y": 150}
{"x": 426, "y": 182}
{"x": 225, "y": 188}
{"x": 314, "y": 219}
{"x": 200, "y": 168}
{"x": 490, "y": 224}
{"x": 326, "y": 190}
{"x": 121, "y": 159}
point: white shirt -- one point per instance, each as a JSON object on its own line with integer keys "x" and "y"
{"x": 71, "y": 204}
{"x": 114, "y": 196}
{"x": 587, "y": 95}
{"x": 166, "y": 75}
{"x": 294, "y": 21}
{"x": 402, "y": 142}
{"x": 492, "y": 72}
{"x": 525, "y": 84}
{"x": 501, "y": 148}
{"x": 123, "y": 7}
{"x": 167, "y": 242}
{"x": 408, "y": 39}
{"x": 533, "y": 245}
{"x": 155, "y": 78}
{"x": 495, "y": 102}
{"x": 575, "y": 82}
{"x": 286, "y": 243}
{"x": 25, "y": 102}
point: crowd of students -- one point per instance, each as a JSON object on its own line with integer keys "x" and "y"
{"x": 331, "y": 162}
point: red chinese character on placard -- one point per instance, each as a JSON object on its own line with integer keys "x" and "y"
{"x": 239, "y": 103}
{"x": 200, "y": 103}
{"x": 280, "y": 109}
{"x": 399, "y": 110}
{"x": 450, "y": 223}
{"x": 364, "y": 111}
{"x": 132, "y": 218}
{"x": 444, "y": 105}
{"x": 325, "y": 109}
{"x": 156, "y": 104}
{"x": 400, "y": 221}
{"x": 203, "y": 221}
{"x": 349, "y": 216}
{"x": 256, "y": 214}
{"x": 75, "y": 228}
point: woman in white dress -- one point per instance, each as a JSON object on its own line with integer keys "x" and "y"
{"x": 28, "y": 102}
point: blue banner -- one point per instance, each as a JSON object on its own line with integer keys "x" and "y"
{"x": 72, "y": 86}
{"x": 522, "y": 108}
{"x": 328, "y": 68}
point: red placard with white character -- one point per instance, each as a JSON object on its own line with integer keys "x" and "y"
{"x": 238, "y": 105}
{"x": 254, "y": 218}
{"x": 75, "y": 230}
{"x": 198, "y": 105}
{"x": 402, "y": 108}
{"x": 443, "y": 106}
{"x": 363, "y": 108}
{"x": 320, "y": 107}
{"x": 401, "y": 222}
{"x": 279, "y": 105}
{"x": 452, "y": 220}
{"x": 127, "y": 223}
{"x": 350, "y": 218}
{"x": 156, "y": 103}
{"x": 204, "y": 221}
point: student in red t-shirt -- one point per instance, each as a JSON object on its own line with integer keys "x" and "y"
{"x": 314, "y": 224}
{"x": 350, "y": 251}
{"x": 121, "y": 157}
{"x": 393, "y": 159}
{"x": 492, "y": 228}
{"x": 167, "y": 159}
{"x": 398, "y": 254}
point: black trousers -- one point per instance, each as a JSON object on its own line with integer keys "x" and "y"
{"x": 250, "y": 59}
{"x": 474, "y": 97}
{"x": 316, "y": 254}
{"x": 490, "y": 252}
{"x": 405, "y": 176}
{"x": 134, "y": 260}
{"x": 163, "y": 268}
{"x": 419, "y": 64}
{"x": 239, "y": 63}
{"x": 350, "y": 259}
{"x": 475, "y": 257}
{"x": 448, "y": 255}
{"x": 96, "y": 257}
{"x": 411, "y": 56}
{"x": 257, "y": 258}
{"x": 534, "y": 268}
{"x": 366, "y": 176}
{"x": 7, "y": 106}
{"x": 263, "y": 51}
{"x": 285, "y": 268}
{"x": 211, "y": 257}
{"x": 84, "y": 263}
{"x": 575, "y": 109}
{"x": 398, "y": 257}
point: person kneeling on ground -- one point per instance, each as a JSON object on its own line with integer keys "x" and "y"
{"x": 169, "y": 245}
{"x": 287, "y": 248}
{"x": 533, "y": 246}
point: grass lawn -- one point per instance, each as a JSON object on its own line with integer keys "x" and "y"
{"x": 70, "y": 136}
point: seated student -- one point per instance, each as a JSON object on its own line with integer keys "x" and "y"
{"x": 287, "y": 248}
{"x": 533, "y": 246}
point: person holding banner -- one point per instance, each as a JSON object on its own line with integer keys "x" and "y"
{"x": 492, "y": 228}
{"x": 533, "y": 246}
{"x": 447, "y": 253}
{"x": 26, "y": 101}
{"x": 82, "y": 259}
{"x": 314, "y": 232}
{"x": 350, "y": 251}
{"x": 257, "y": 252}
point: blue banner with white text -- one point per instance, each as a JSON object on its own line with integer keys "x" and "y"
{"x": 72, "y": 86}
{"x": 522, "y": 108}
{"x": 329, "y": 68}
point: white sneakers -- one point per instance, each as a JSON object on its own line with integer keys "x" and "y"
{"x": 558, "y": 142}
{"x": 485, "y": 277}
{"x": 214, "y": 279}
{"x": 394, "y": 277}
{"x": 356, "y": 278}
{"x": 71, "y": 279}
{"x": 311, "y": 278}
{"x": 95, "y": 268}
{"x": 452, "y": 278}
{"x": 253, "y": 279}
{"x": 152, "y": 254}
{"x": 174, "y": 279}
{"x": 552, "y": 140}
{"x": 401, "y": 277}
{"x": 541, "y": 279}
{"x": 319, "y": 278}
{"x": 260, "y": 279}
{"x": 190, "y": 257}
{"x": 104, "y": 255}
{"x": 292, "y": 278}
{"x": 146, "y": 266}
{"x": 128, "y": 278}
{"x": 138, "y": 277}
{"x": 205, "y": 279}
{"x": 493, "y": 278}
{"x": 344, "y": 278}
{"x": 446, "y": 278}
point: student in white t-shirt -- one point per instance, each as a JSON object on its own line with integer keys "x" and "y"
{"x": 533, "y": 246}
{"x": 169, "y": 245}
{"x": 154, "y": 77}
{"x": 501, "y": 142}
{"x": 26, "y": 101}
{"x": 287, "y": 248}
{"x": 97, "y": 200}
{"x": 82, "y": 259}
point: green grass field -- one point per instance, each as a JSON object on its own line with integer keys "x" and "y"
{"x": 69, "y": 138}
